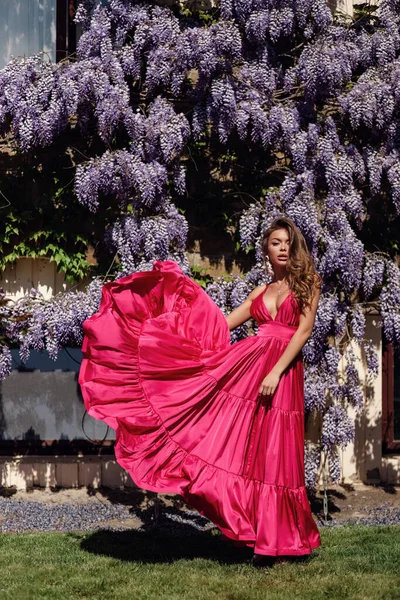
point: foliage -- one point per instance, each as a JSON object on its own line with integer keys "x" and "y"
{"x": 286, "y": 108}
{"x": 41, "y": 217}
{"x": 200, "y": 275}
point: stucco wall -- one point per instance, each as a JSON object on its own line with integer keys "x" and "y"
{"x": 26, "y": 273}
{"x": 42, "y": 399}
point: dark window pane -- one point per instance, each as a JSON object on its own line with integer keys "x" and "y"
{"x": 41, "y": 400}
{"x": 396, "y": 397}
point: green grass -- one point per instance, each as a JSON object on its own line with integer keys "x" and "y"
{"x": 354, "y": 563}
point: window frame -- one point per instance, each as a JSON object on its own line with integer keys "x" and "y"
{"x": 12, "y": 448}
{"x": 65, "y": 29}
{"x": 389, "y": 444}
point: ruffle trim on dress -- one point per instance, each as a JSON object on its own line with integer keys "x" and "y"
{"x": 235, "y": 504}
{"x": 160, "y": 438}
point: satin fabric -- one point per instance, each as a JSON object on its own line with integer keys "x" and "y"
{"x": 159, "y": 368}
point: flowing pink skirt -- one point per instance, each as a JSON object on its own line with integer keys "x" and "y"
{"x": 159, "y": 369}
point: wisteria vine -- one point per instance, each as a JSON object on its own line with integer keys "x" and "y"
{"x": 319, "y": 96}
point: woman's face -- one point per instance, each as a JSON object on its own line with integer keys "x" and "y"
{"x": 278, "y": 248}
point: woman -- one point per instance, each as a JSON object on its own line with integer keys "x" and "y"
{"x": 220, "y": 424}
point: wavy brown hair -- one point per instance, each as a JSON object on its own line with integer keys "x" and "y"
{"x": 301, "y": 274}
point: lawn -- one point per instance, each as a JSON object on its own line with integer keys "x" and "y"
{"x": 357, "y": 563}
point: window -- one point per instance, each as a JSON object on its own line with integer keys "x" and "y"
{"x": 390, "y": 400}
{"x": 30, "y": 27}
{"x": 42, "y": 412}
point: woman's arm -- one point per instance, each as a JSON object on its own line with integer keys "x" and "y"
{"x": 298, "y": 340}
{"x": 241, "y": 314}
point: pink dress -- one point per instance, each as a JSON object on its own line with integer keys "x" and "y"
{"x": 159, "y": 368}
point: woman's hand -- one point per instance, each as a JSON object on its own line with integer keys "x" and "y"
{"x": 269, "y": 384}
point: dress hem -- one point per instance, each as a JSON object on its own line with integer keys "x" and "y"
{"x": 270, "y": 552}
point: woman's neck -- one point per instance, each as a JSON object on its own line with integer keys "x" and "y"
{"x": 279, "y": 275}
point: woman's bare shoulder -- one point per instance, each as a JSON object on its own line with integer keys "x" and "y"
{"x": 256, "y": 292}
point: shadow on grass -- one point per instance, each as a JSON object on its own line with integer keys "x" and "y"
{"x": 155, "y": 544}
{"x": 170, "y": 531}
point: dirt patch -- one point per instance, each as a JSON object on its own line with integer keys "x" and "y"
{"x": 357, "y": 501}
{"x": 345, "y": 502}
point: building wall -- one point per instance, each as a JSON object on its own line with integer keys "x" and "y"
{"x": 346, "y": 7}
{"x": 362, "y": 461}
{"x": 27, "y": 273}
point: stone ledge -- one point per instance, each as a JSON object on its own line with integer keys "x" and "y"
{"x": 26, "y": 473}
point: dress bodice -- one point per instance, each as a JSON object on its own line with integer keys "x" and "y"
{"x": 288, "y": 312}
